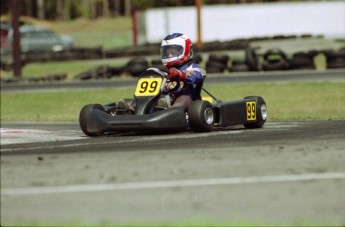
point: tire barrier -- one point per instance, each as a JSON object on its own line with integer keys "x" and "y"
{"x": 80, "y": 53}
{"x": 99, "y": 53}
{"x": 275, "y": 59}
{"x": 239, "y": 66}
{"x": 335, "y": 58}
{"x": 136, "y": 66}
{"x": 251, "y": 59}
{"x": 47, "y": 78}
{"x": 100, "y": 72}
{"x": 49, "y": 56}
{"x": 303, "y": 60}
{"x": 217, "y": 63}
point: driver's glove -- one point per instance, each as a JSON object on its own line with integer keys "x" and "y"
{"x": 174, "y": 74}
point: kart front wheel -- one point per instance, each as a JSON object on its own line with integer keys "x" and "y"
{"x": 201, "y": 116}
{"x": 84, "y": 116}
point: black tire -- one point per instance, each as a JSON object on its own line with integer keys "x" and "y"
{"x": 279, "y": 65}
{"x": 138, "y": 61}
{"x": 136, "y": 66}
{"x": 336, "y": 63}
{"x": 100, "y": 72}
{"x": 306, "y": 67}
{"x": 302, "y": 54}
{"x": 135, "y": 70}
{"x": 201, "y": 116}
{"x": 332, "y": 54}
{"x": 212, "y": 69}
{"x": 239, "y": 68}
{"x": 84, "y": 75}
{"x": 219, "y": 58}
{"x": 261, "y": 112}
{"x": 83, "y": 118}
{"x": 237, "y": 62}
{"x": 215, "y": 64}
{"x": 215, "y": 67}
{"x": 251, "y": 59}
{"x": 115, "y": 71}
{"x": 275, "y": 52}
{"x": 298, "y": 62}
{"x": 335, "y": 59}
{"x": 313, "y": 53}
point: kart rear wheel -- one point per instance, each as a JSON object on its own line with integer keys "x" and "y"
{"x": 83, "y": 118}
{"x": 201, "y": 116}
{"x": 261, "y": 112}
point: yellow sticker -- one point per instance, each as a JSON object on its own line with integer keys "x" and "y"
{"x": 251, "y": 111}
{"x": 148, "y": 86}
{"x": 207, "y": 98}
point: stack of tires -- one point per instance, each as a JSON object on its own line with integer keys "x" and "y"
{"x": 136, "y": 66}
{"x": 48, "y": 78}
{"x": 217, "y": 63}
{"x": 238, "y": 66}
{"x": 251, "y": 59}
{"x": 335, "y": 59}
{"x": 100, "y": 72}
{"x": 250, "y": 62}
{"x": 303, "y": 60}
{"x": 275, "y": 59}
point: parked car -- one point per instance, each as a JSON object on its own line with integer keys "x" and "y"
{"x": 4, "y": 30}
{"x": 32, "y": 39}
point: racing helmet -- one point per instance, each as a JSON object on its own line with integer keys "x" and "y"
{"x": 176, "y": 49}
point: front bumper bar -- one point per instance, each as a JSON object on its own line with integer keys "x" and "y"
{"x": 173, "y": 119}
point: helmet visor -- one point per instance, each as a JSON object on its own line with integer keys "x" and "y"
{"x": 170, "y": 51}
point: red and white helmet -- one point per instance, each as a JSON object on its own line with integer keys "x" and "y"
{"x": 176, "y": 49}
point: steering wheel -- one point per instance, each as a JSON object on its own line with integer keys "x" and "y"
{"x": 177, "y": 86}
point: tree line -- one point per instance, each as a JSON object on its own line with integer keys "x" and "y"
{"x": 71, "y": 9}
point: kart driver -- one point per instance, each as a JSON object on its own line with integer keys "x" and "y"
{"x": 177, "y": 56}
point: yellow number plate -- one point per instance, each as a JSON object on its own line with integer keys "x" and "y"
{"x": 148, "y": 86}
{"x": 251, "y": 111}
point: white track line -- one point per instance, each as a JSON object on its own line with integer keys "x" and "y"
{"x": 171, "y": 184}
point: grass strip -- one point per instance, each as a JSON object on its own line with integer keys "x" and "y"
{"x": 196, "y": 221}
{"x": 285, "y": 101}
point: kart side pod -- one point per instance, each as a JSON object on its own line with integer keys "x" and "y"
{"x": 250, "y": 111}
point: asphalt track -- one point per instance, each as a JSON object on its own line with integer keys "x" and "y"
{"x": 287, "y": 173}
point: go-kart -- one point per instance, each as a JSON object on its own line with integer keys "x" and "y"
{"x": 152, "y": 85}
